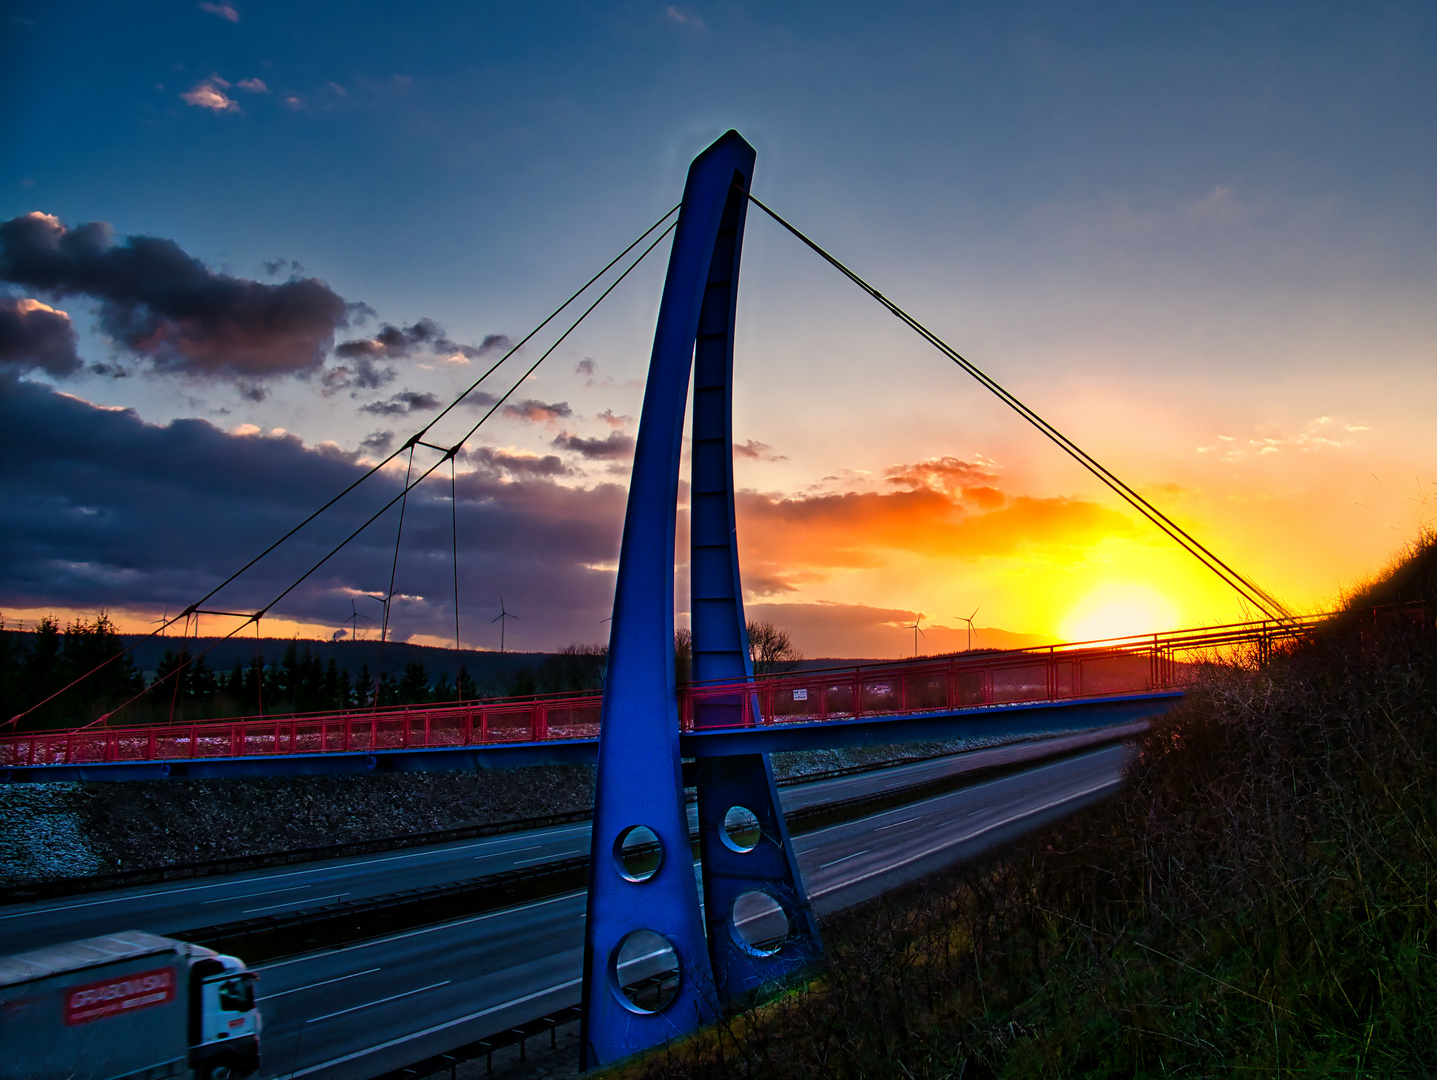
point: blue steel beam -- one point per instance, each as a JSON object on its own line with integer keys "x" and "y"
{"x": 735, "y": 875}
{"x": 640, "y": 776}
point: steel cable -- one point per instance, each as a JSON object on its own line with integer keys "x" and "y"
{"x": 1252, "y": 593}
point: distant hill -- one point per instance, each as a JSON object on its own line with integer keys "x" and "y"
{"x": 388, "y": 658}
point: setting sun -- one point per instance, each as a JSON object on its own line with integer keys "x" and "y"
{"x": 1115, "y": 610}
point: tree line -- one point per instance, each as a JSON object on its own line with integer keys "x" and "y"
{"x": 39, "y": 664}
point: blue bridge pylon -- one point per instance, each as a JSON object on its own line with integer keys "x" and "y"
{"x": 656, "y": 964}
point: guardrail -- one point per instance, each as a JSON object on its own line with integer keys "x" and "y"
{"x": 963, "y": 680}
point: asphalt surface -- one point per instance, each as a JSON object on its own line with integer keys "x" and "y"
{"x": 177, "y": 906}
{"x": 364, "y": 1009}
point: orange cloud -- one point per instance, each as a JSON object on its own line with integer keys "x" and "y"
{"x": 951, "y": 510}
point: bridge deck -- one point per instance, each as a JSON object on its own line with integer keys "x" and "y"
{"x": 971, "y": 694}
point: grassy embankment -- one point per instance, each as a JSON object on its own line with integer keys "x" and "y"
{"x": 1260, "y": 901}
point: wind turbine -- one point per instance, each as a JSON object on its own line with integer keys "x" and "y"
{"x": 354, "y": 617}
{"x": 377, "y": 600}
{"x": 503, "y": 620}
{"x": 969, "y": 620}
{"x": 916, "y": 632}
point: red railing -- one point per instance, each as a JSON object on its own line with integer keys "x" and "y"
{"x": 1079, "y": 670}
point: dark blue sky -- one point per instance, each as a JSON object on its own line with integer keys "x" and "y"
{"x": 1178, "y": 229}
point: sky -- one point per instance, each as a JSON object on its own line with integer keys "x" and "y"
{"x": 247, "y": 250}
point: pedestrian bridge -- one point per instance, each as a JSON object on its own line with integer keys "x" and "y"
{"x": 966, "y": 695}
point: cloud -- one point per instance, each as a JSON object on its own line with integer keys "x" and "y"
{"x": 491, "y": 344}
{"x": 1319, "y": 434}
{"x": 274, "y": 266}
{"x": 224, "y": 11}
{"x": 377, "y": 442}
{"x": 254, "y": 86}
{"x": 616, "y": 446}
{"x": 792, "y": 540}
{"x": 538, "y": 411}
{"x": 363, "y": 374}
{"x": 585, "y": 367}
{"x": 162, "y": 304}
{"x": 98, "y": 507}
{"x": 406, "y": 401}
{"x": 616, "y": 422}
{"x": 479, "y": 399}
{"x": 684, "y": 18}
{"x": 519, "y": 463}
{"x": 758, "y": 451}
{"x": 950, "y": 476}
{"x": 207, "y": 94}
{"x": 35, "y": 335}
{"x": 393, "y": 342}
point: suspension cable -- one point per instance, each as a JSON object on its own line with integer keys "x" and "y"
{"x": 410, "y": 485}
{"x": 166, "y": 623}
{"x": 394, "y": 569}
{"x": 1252, "y": 593}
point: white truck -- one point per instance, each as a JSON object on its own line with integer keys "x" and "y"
{"x": 130, "y": 1005}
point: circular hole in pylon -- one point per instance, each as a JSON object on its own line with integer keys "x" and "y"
{"x": 638, "y": 853}
{"x": 758, "y": 923}
{"x": 644, "y": 971}
{"x": 741, "y": 830}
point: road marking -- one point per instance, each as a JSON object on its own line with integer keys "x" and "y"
{"x": 512, "y": 851}
{"x": 247, "y": 896}
{"x": 835, "y": 862}
{"x": 970, "y": 836}
{"x": 426, "y": 930}
{"x": 381, "y": 1001}
{"x": 548, "y": 858}
{"x": 980, "y": 810}
{"x": 895, "y": 824}
{"x": 352, "y": 863}
{"x": 311, "y": 986}
{"x": 322, "y": 1066}
{"x": 271, "y": 907}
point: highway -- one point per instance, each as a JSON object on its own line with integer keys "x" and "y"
{"x": 380, "y": 1004}
{"x": 177, "y": 906}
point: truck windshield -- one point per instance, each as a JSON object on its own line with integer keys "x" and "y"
{"x": 236, "y": 995}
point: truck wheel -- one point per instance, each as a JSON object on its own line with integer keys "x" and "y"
{"x": 220, "y": 1069}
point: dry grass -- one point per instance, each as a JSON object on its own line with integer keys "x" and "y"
{"x": 1260, "y": 902}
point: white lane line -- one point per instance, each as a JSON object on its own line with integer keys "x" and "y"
{"x": 970, "y": 836}
{"x": 895, "y": 824}
{"x": 381, "y": 1001}
{"x": 946, "y": 797}
{"x": 980, "y": 810}
{"x": 426, "y": 930}
{"x": 547, "y": 858}
{"x": 248, "y": 896}
{"x": 271, "y": 907}
{"x": 835, "y": 862}
{"x": 329, "y": 869}
{"x": 322, "y": 1066}
{"x": 311, "y": 986}
{"x": 511, "y": 851}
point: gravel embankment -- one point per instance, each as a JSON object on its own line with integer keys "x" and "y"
{"x": 68, "y": 830}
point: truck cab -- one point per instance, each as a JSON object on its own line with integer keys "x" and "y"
{"x": 224, "y": 1021}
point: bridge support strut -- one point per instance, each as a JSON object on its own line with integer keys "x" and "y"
{"x": 651, "y": 972}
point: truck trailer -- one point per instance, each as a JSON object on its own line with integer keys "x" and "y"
{"x": 130, "y": 1005}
